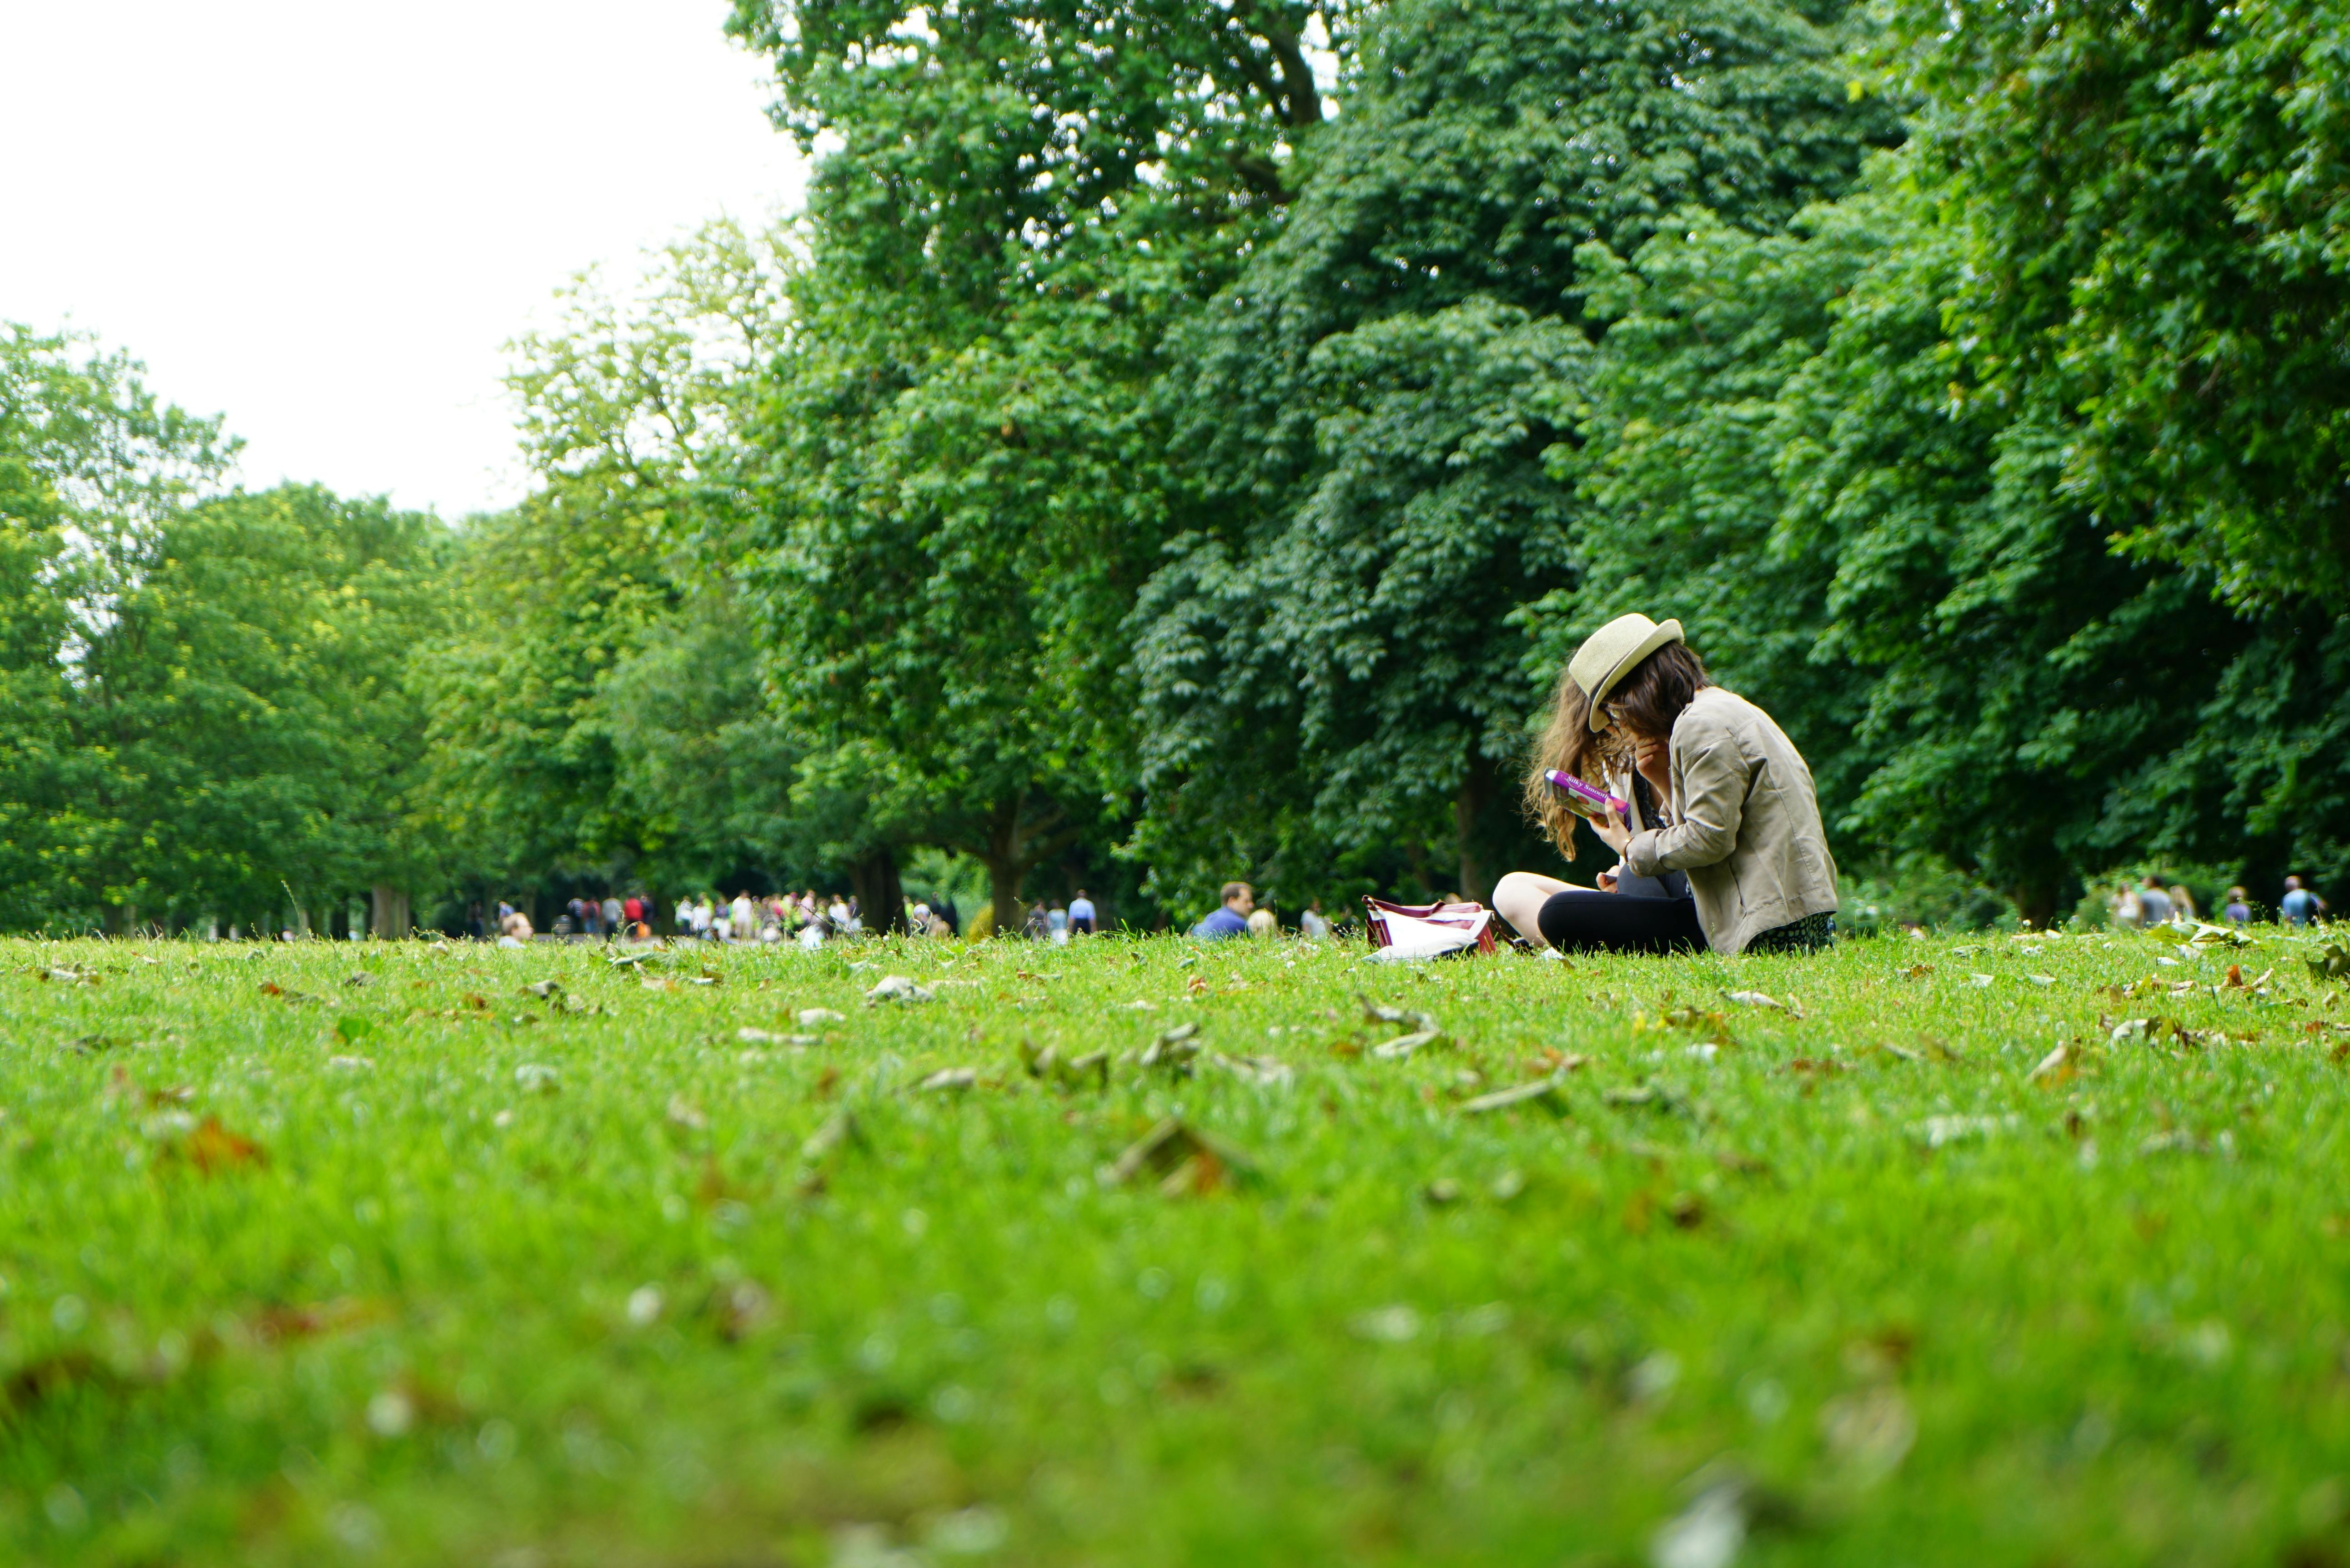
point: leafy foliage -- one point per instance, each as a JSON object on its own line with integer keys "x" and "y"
{"x": 1369, "y": 406}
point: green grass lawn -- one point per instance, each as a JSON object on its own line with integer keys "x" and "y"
{"x": 370, "y": 1255}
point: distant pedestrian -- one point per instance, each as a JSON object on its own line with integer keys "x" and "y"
{"x": 1314, "y": 923}
{"x": 684, "y": 919}
{"x": 1081, "y": 914}
{"x": 1039, "y": 925}
{"x": 633, "y": 909}
{"x": 2126, "y": 913}
{"x": 1056, "y": 923}
{"x": 1261, "y": 923}
{"x": 1231, "y": 917}
{"x": 2300, "y": 905}
{"x": 613, "y": 914}
{"x": 2239, "y": 911}
{"x": 2182, "y": 903}
{"x": 2154, "y": 903}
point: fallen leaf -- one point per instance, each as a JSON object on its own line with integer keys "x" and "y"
{"x": 2055, "y": 1067}
{"x": 1387, "y": 1324}
{"x": 1546, "y": 1093}
{"x": 1174, "y": 1048}
{"x": 1870, "y": 1431}
{"x": 1422, "y": 1022}
{"x": 212, "y": 1147}
{"x": 809, "y": 1017}
{"x": 749, "y": 1036}
{"x": 1403, "y": 1046}
{"x": 544, "y": 989}
{"x": 1759, "y": 999}
{"x": 1186, "y": 1159}
{"x": 897, "y": 988}
{"x": 684, "y": 1113}
{"x": 1936, "y": 1132}
{"x": 948, "y": 1078}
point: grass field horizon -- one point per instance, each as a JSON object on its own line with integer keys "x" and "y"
{"x": 1972, "y": 1248}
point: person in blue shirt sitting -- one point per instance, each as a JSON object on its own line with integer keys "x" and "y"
{"x": 1232, "y": 921}
{"x": 2299, "y": 904}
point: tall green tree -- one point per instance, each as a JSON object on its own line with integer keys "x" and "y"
{"x": 1329, "y": 664}
{"x": 966, "y": 484}
{"x": 598, "y": 711}
{"x": 245, "y": 713}
{"x": 91, "y": 468}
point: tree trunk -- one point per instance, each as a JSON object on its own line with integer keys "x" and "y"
{"x": 881, "y": 895}
{"x": 1003, "y": 896}
{"x": 1003, "y": 860}
{"x": 388, "y": 920}
{"x": 1468, "y": 806}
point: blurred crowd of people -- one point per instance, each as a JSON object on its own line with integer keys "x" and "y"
{"x": 2151, "y": 904}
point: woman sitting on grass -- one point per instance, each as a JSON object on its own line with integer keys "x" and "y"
{"x": 1722, "y": 844}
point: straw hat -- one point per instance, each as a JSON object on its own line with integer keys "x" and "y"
{"x": 1607, "y": 654}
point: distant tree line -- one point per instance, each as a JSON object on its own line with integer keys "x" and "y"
{"x": 1180, "y": 441}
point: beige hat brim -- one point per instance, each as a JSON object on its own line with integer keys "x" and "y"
{"x": 1664, "y": 632}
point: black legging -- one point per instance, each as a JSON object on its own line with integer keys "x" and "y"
{"x": 1582, "y": 919}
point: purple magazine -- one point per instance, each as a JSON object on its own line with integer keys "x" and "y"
{"x": 1583, "y": 798}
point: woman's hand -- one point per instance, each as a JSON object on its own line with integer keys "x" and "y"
{"x": 1654, "y": 759}
{"x": 1611, "y": 831}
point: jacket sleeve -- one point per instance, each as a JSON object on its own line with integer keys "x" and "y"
{"x": 1711, "y": 773}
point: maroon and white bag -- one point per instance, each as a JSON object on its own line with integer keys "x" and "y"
{"x": 1401, "y": 931}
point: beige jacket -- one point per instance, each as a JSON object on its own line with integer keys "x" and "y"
{"x": 1748, "y": 831}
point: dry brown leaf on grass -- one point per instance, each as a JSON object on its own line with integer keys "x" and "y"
{"x": 280, "y": 1322}
{"x": 211, "y": 1148}
{"x": 1188, "y": 1162}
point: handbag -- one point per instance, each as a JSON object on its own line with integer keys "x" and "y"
{"x": 1400, "y": 931}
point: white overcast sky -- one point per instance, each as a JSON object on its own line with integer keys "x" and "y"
{"x": 323, "y": 219}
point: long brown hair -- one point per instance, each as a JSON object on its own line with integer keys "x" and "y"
{"x": 1654, "y": 691}
{"x": 1649, "y": 698}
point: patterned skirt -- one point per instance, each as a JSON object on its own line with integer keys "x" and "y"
{"x": 1808, "y": 935}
